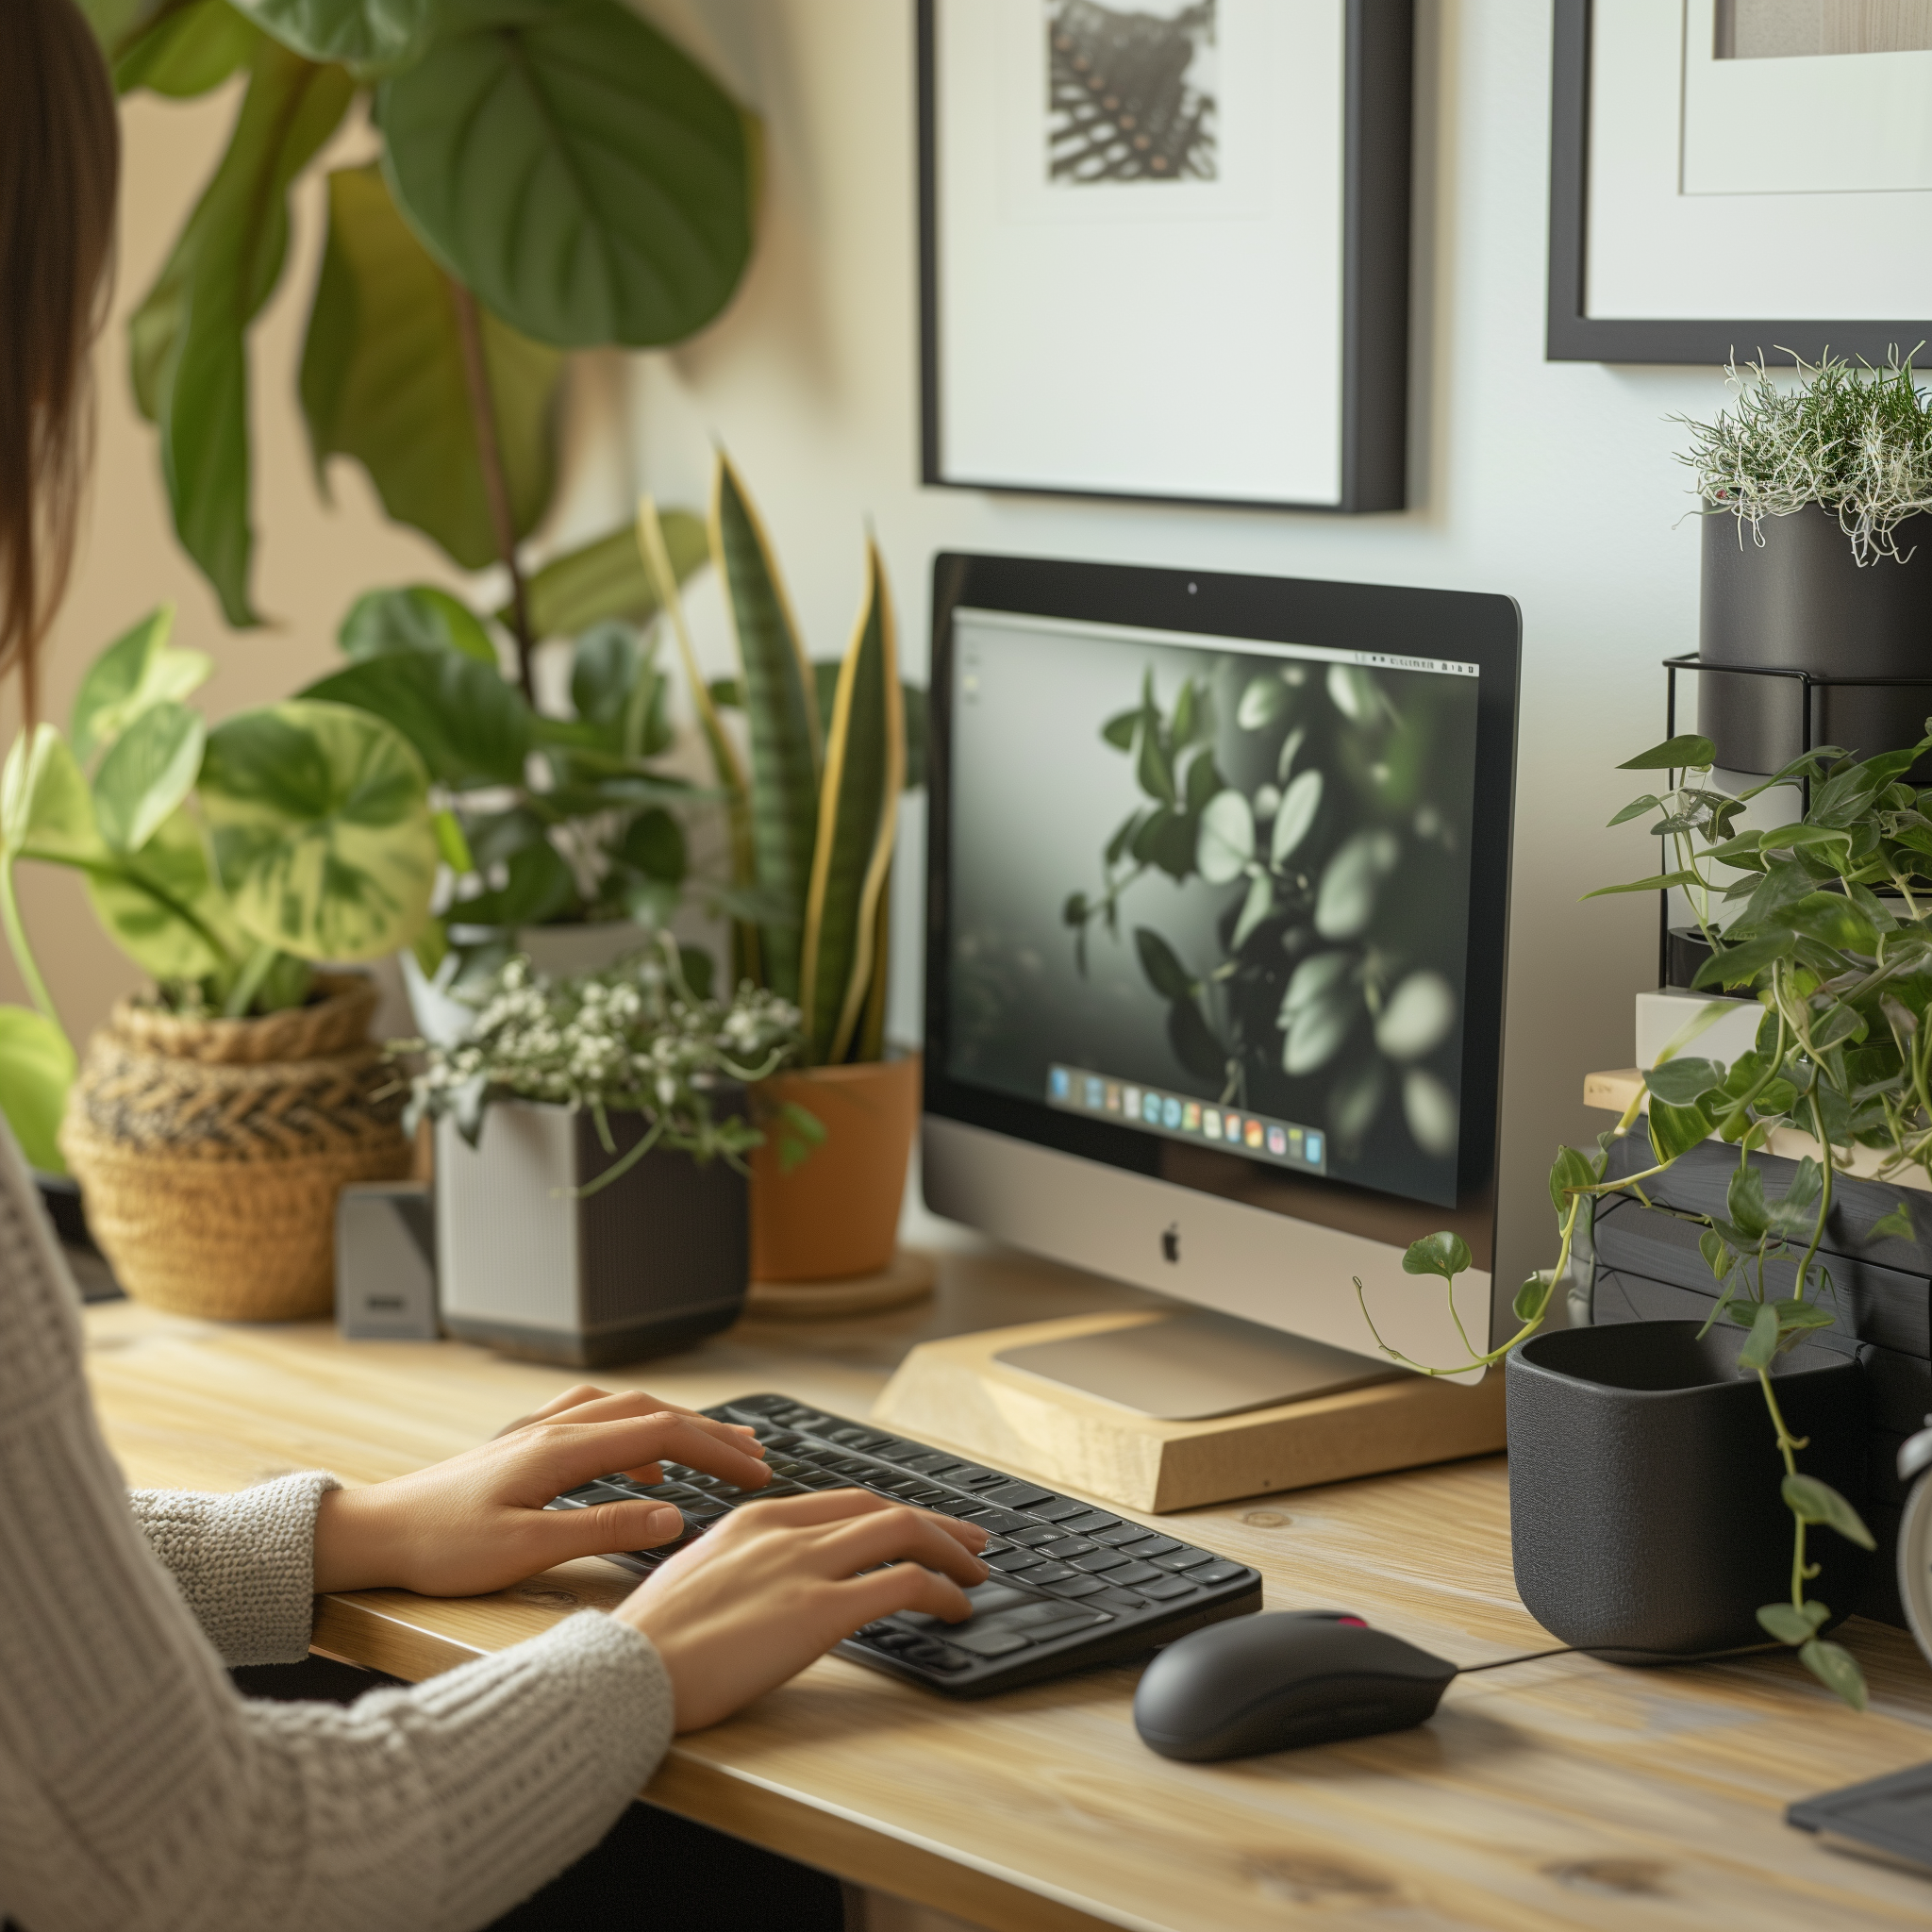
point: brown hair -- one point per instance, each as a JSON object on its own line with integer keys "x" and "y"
{"x": 59, "y": 166}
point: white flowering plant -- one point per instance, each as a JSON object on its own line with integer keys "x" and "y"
{"x": 635, "y": 1038}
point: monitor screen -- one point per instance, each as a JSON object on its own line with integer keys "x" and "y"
{"x": 1219, "y": 880}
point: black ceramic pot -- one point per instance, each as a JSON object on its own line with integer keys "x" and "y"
{"x": 1801, "y": 602}
{"x": 1645, "y": 1513}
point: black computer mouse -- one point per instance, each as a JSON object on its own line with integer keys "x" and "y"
{"x": 1276, "y": 1683}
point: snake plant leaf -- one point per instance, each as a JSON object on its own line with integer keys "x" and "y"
{"x": 606, "y": 578}
{"x": 382, "y": 381}
{"x": 589, "y": 181}
{"x": 141, "y": 901}
{"x": 146, "y": 773}
{"x": 46, "y": 811}
{"x": 370, "y": 34}
{"x": 137, "y": 670}
{"x": 320, "y": 829}
{"x": 35, "y": 1071}
{"x": 188, "y": 53}
{"x": 857, "y": 817}
{"x": 781, "y": 713}
{"x": 470, "y": 727}
{"x": 415, "y": 618}
{"x": 188, "y": 336}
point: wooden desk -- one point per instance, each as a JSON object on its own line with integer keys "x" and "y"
{"x": 1566, "y": 1793}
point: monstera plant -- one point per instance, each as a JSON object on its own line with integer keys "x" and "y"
{"x": 223, "y": 860}
{"x": 552, "y": 174}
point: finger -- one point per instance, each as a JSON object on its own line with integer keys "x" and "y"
{"x": 634, "y": 1401}
{"x": 606, "y": 1527}
{"x": 579, "y": 1392}
{"x": 905, "y": 1587}
{"x": 573, "y": 1452}
{"x": 832, "y": 1505}
{"x": 869, "y": 1540}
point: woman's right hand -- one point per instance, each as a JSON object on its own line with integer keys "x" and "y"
{"x": 777, "y": 1583}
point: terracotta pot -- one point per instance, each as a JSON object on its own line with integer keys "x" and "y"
{"x": 209, "y": 1153}
{"x": 836, "y": 1213}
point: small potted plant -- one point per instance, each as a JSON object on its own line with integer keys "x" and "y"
{"x": 591, "y": 1144}
{"x": 1641, "y": 1515}
{"x": 213, "y": 1121}
{"x": 812, "y": 808}
{"x": 1816, "y": 559}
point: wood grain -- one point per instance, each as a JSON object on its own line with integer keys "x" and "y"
{"x": 1560, "y": 1794}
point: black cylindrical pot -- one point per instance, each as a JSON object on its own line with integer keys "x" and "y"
{"x": 1644, "y": 1509}
{"x": 1800, "y": 601}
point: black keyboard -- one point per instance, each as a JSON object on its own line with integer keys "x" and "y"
{"x": 1071, "y": 1584}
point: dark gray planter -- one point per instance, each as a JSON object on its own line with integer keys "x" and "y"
{"x": 1645, "y": 1513}
{"x": 1801, "y": 602}
{"x": 651, "y": 1263}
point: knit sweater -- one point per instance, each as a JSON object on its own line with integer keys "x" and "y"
{"x": 138, "y": 1790}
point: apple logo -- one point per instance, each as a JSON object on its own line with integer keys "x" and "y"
{"x": 1171, "y": 1242}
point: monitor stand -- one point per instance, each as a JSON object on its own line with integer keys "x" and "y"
{"x": 1197, "y": 1365}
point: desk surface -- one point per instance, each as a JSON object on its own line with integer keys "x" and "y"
{"x": 1564, "y": 1793}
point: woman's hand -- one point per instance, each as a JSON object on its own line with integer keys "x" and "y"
{"x": 776, "y": 1584}
{"x": 477, "y": 1522}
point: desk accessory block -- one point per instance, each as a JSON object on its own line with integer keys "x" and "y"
{"x": 530, "y": 1265}
{"x": 386, "y": 1262}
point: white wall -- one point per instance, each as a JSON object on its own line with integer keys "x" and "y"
{"x": 1555, "y": 483}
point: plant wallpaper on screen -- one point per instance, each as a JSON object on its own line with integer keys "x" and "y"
{"x": 1269, "y": 909}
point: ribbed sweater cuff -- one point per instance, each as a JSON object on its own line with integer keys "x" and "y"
{"x": 245, "y": 1563}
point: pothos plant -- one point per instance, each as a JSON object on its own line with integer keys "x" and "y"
{"x": 1827, "y": 921}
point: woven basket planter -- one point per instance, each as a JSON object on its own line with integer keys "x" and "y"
{"x": 211, "y": 1152}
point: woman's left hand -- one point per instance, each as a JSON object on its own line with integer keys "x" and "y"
{"x": 477, "y": 1522}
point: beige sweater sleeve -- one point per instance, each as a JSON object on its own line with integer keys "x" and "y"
{"x": 138, "y": 1790}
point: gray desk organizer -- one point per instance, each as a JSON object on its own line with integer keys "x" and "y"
{"x": 1648, "y": 1269}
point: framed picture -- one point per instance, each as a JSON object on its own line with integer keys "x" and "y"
{"x": 1164, "y": 248}
{"x": 1731, "y": 176}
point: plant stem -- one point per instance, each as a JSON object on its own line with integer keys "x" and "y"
{"x": 23, "y": 952}
{"x": 1787, "y": 1444}
{"x": 248, "y": 982}
{"x": 495, "y": 484}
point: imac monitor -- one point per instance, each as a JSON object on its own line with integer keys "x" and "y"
{"x": 1218, "y": 899}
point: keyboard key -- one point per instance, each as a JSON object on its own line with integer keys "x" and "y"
{"x": 855, "y": 1438}
{"x": 1119, "y": 1533}
{"x": 1001, "y": 1521}
{"x": 1217, "y": 1573}
{"x": 1017, "y": 1495}
{"x": 961, "y": 1506}
{"x": 1064, "y": 1549}
{"x": 1151, "y": 1546}
{"x": 1010, "y": 1561}
{"x": 1186, "y": 1559}
{"x": 1088, "y": 1522}
{"x": 1036, "y": 1536}
{"x": 1077, "y": 1586}
{"x": 1098, "y": 1559}
{"x": 1167, "y": 1588}
{"x": 1121, "y": 1600}
{"x": 942, "y": 1656}
{"x": 1046, "y": 1620}
{"x": 927, "y": 1463}
{"x": 1050, "y": 1573}
{"x": 991, "y": 1642}
{"x": 925, "y": 1495}
{"x": 1058, "y": 1512}
{"x": 1132, "y": 1574}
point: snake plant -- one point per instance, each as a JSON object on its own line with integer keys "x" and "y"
{"x": 814, "y": 798}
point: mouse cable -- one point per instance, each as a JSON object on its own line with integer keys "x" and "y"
{"x": 1651, "y": 1657}
{"x": 1500, "y": 1663}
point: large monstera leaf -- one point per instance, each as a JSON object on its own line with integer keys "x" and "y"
{"x": 382, "y": 380}
{"x": 365, "y": 34}
{"x": 589, "y": 181}
{"x": 320, "y": 829}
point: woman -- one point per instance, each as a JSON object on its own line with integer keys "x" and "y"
{"x": 137, "y": 1787}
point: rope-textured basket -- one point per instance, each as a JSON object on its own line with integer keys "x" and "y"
{"x": 211, "y": 1152}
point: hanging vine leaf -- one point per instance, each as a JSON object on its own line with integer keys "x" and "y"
{"x": 382, "y": 381}
{"x": 189, "y": 337}
{"x": 589, "y": 182}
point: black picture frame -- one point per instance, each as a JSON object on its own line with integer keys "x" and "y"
{"x": 1575, "y": 336}
{"x": 1378, "y": 116}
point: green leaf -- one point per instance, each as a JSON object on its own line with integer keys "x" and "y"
{"x": 1811, "y": 1501}
{"x": 137, "y": 670}
{"x": 1790, "y": 1624}
{"x": 539, "y": 887}
{"x": 1835, "y": 1668}
{"x": 1739, "y": 965}
{"x": 1193, "y": 1041}
{"x": 35, "y": 1071}
{"x": 1895, "y": 1226}
{"x": 415, "y": 618}
{"x": 1719, "y": 1256}
{"x": 141, "y": 903}
{"x": 46, "y": 806}
{"x": 654, "y": 844}
{"x": 1296, "y": 813}
{"x": 1744, "y": 1202}
{"x": 1760, "y": 1345}
{"x": 382, "y": 381}
{"x": 1649, "y": 802}
{"x": 1256, "y": 909}
{"x": 1660, "y": 883}
{"x": 1686, "y": 751}
{"x": 453, "y": 848}
{"x": 1263, "y": 700}
{"x": 782, "y": 716}
{"x": 1153, "y": 770}
{"x": 146, "y": 773}
{"x": 1119, "y": 730}
{"x": 587, "y": 180}
{"x": 1224, "y": 846}
{"x": 1797, "y": 1318}
{"x": 1164, "y": 972}
{"x": 1834, "y": 921}
{"x": 1442, "y": 1253}
{"x": 606, "y": 578}
{"x": 1532, "y": 1298}
{"x": 186, "y": 52}
{"x": 1676, "y": 1130}
{"x": 320, "y": 828}
{"x": 1683, "y": 1080}
{"x": 368, "y": 34}
{"x": 470, "y": 727}
{"x": 839, "y": 957}
{"x": 1569, "y": 1169}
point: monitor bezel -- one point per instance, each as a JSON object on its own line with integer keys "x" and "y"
{"x": 1464, "y": 626}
